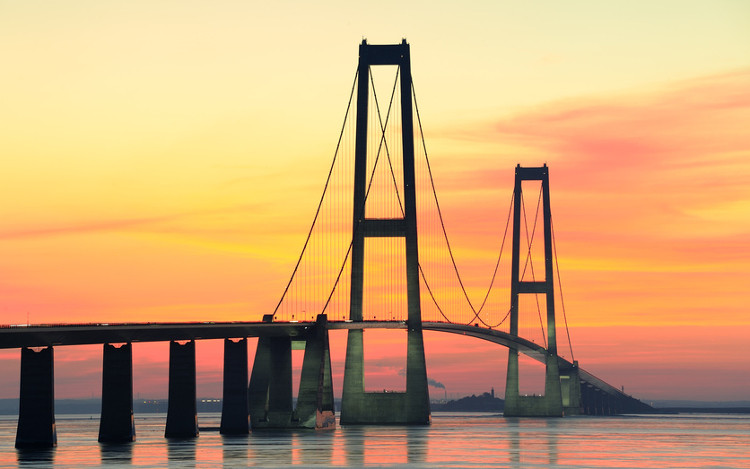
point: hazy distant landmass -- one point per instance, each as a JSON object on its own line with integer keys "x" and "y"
{"x": 485, "y": 402}
{"x": 94, "y": 406}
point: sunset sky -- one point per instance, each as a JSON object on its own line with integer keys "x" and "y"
{"x": 162, "y": 161}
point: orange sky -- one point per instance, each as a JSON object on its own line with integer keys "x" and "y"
{"x": 164, "y": 161}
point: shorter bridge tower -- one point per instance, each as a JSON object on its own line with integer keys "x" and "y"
{"x": 551, "y": 403}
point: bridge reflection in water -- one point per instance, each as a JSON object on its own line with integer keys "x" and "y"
{"x": 389, "y": 221}
{"x": 453, "y": 440}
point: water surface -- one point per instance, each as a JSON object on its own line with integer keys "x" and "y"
{"x": 453, "y": 440}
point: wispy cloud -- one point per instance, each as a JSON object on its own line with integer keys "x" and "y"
{"x": 689, "y": 133}
{"x": 158, "y": 223}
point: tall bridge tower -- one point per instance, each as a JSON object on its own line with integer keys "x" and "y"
{"x": 358, "y": 406}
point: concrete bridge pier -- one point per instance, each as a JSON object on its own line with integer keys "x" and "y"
{"x": 235, "y": 415}
{"x": 597, "y": 402}
{"x": 182, "y": 412}
{"x": 36, "y": 411}
{"x": 382, "y": 408}
{"x": 570, "y": 384}
{"x": 315, "y": 397}
{"x": 548, "y": 405}
{"x": 116, "y": 422}
{"x": 270, "y": 389}
{"x": 589, "y": 399}
{"x": 615, "y": 405}
{"x": 612, "y": 404}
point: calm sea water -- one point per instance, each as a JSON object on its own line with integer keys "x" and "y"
{"x": 453, "y": 440}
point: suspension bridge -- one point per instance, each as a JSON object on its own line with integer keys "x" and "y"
{"x": 377, "y": 255}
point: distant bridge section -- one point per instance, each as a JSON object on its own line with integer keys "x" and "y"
{"x": 597, "y": 396}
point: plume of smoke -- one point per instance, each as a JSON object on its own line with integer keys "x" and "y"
{"x": 435, "y": 384}
{"x": 430, "y": 381}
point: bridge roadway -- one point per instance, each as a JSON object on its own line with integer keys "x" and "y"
{"x": 18, "y": 336}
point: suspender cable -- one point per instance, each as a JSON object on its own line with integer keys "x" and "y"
{"x": 322, "y": 197}
{"x": 529, "y": 261}
{"x": 502, "y": 245}
{"x": 442, "y": 224}
{"x": 367, "y": 192}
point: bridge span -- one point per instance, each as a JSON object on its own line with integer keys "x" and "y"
{"x": 268, "y": 398}
{"x": 20, "y": 336}
{"x": 47, "y": 335}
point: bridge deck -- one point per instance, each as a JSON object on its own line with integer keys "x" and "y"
{"x": 80, "y": 334}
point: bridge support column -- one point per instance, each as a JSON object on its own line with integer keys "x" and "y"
{"x": 588, "y": 399}
{"x": 270, "y": 389}
{"x": 116, "y": 422}
{"x": 359, "y": 407}
{"x": 36, "y": 410}
{"x": 598, "y": 402}
{"x": 235, "y": 415}
{"x": 548, "y": 405}
{"x": 609, "y": 404}
{"x": 315, "y": 397}
{"x": 182, "y": 412}
{"x": 570, "y": 383}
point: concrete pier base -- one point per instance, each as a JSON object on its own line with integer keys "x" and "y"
{"x": 182, "y": 412}
{"x": 235, "y": 415}
{"x": 570, "y": 384}
{"x": 116, "y": 423}
{"x": 36, "y": 411}
{"x": 315, "y": 397}
{"x": 595, "y": 401}
{"x": 403, "y": 408}
{"x": 548, "y": 405}
{"x": 270, "y": 389}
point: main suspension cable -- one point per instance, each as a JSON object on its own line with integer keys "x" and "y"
{"x": 437, "y": 203}
{"x": 502, "y": 245}
{"x": 445, "y": 233}
{"x": 559, "y": 286}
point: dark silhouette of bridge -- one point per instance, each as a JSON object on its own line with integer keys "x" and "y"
{"x": 320, "y": 296}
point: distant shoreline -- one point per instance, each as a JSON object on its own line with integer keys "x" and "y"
{"x": 702, "y": 410}
{"x": 481, "y": 403}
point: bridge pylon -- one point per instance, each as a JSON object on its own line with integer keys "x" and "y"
{"x": 358, "y": 406}
{"x": 551, "y": 403}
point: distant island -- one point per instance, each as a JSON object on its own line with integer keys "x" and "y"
{"x": 486, "y": 402}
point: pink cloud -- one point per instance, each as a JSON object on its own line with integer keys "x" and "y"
{"x": 628, "y": 141}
